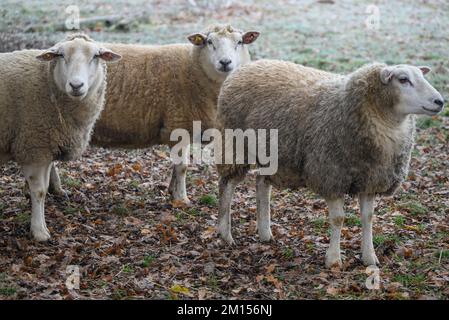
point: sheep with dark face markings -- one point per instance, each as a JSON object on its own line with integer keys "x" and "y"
{"x": 338, "y": 135}
{"x": 48, "y": 110}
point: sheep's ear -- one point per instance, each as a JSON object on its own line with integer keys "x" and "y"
{"x": 425, "y": 70}
{"x": 386, "y": 74}
{"x": 197, "y": 39}
{"x": 108, "y": 55}
{"x": 250, "y": 37}
{"x": 48, "y": 55}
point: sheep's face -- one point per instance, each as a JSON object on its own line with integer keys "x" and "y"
{"x": 78, "y": 69}
{"x": 223, "y": 50}
{"x": 415, "y": 94}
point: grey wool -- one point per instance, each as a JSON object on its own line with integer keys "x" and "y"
{"x": 337, "y": 134}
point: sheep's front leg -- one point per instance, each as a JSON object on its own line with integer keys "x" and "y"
{"x": 226, "y": 188}
{"x": 336, "y": 219}
{"x": 263, "y": 208}
{"x": 177, "y": 186}
{"x": 367, "y": 210}
{"x": 38, "y": 177}
{"x": 55, "y": 182}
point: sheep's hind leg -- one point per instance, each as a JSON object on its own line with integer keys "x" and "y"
{"x": 38, "y": 177}
{"x": 54, "y": 186}
{"x": 177, "y": 186}
{"x": 367, "y": 210}
{"x": 263, "y": 208}
{"x": 55, "y": 183}
{"x": 226, "y": 188}
{"x": 336, "y": 218}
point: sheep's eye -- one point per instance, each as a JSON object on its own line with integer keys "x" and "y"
{"x": 209, "y": 42}
{"x": 61, "y": 56}
{"x": 240, "y": 42}
{"x": 404, "y": 80}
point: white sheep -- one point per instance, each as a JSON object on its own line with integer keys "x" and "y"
{"x": 156, "y": 89}
{"x": 50, "y": 102}
{"x": 338, "y": 135}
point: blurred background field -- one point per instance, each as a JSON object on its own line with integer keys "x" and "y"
{"x": 329, "y": 34}
{"x": 131, "y": 243}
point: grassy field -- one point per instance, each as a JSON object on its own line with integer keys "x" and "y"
{"x": 130, "y": 243}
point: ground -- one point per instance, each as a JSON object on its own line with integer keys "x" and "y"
{"x": 129, "y": 242}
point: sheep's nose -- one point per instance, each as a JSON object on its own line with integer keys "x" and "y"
{"x": 225, "y": 62}
{"x": 76, "y": 86}
{"x": 439, "y": 102}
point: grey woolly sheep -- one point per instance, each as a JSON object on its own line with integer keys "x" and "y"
{"x": 50, "y": 102}
{"x": 338, "y": 135}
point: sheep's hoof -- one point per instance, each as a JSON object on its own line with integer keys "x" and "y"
{"x": 185, "y": 200}
{"x": 265, "y": 236}
{"x": 60, "y": 194}
{"x": 333, "y": 260}
{"x": 181, "y": 203}
{"x": 370, "y": 259}
{"x": 224, "y": 231}
{"x": 228, "y": 239}
{"x": 179, "y": 197}
{"x": 41, "y": 235}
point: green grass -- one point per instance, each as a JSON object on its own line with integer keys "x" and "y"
{"x": 428, "y": 122}
{"x": 134, "y": 184}
{"x": 23, "y": 217}
{"x": 71, "y": 182}
{"x": 127, "y": 268}
{"x": 148, "y": 260}
{"x": 399, "y": 221}
{"x": 180, "y": 216}
{"x": 7, "y": 291}
{"x": 119, "y": 294}
{"x": 193, "y": 212}
{"x": 442, "y": 236}
{"x": 310, "y": 246}
{"x": 101, "y": 284}
{"x": 410, "y": 280}
{"x": 209, "y": 200}
{"x": 382, "y": 211}
{"x": 415, "y": 208}
{"x": 380, "y": 239}
{"x": 288, "y": 253}
{"x": 319, "y": 224}
{"x": 421, "y": 227}
{"x": 443, "y": 254}
{"x": 446, "y": 112}
{"x": 120, "y": 210}
{"x": 351, "y": 220}
{"x": 212, "y": 282}
{"x": 70, "y": 211}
